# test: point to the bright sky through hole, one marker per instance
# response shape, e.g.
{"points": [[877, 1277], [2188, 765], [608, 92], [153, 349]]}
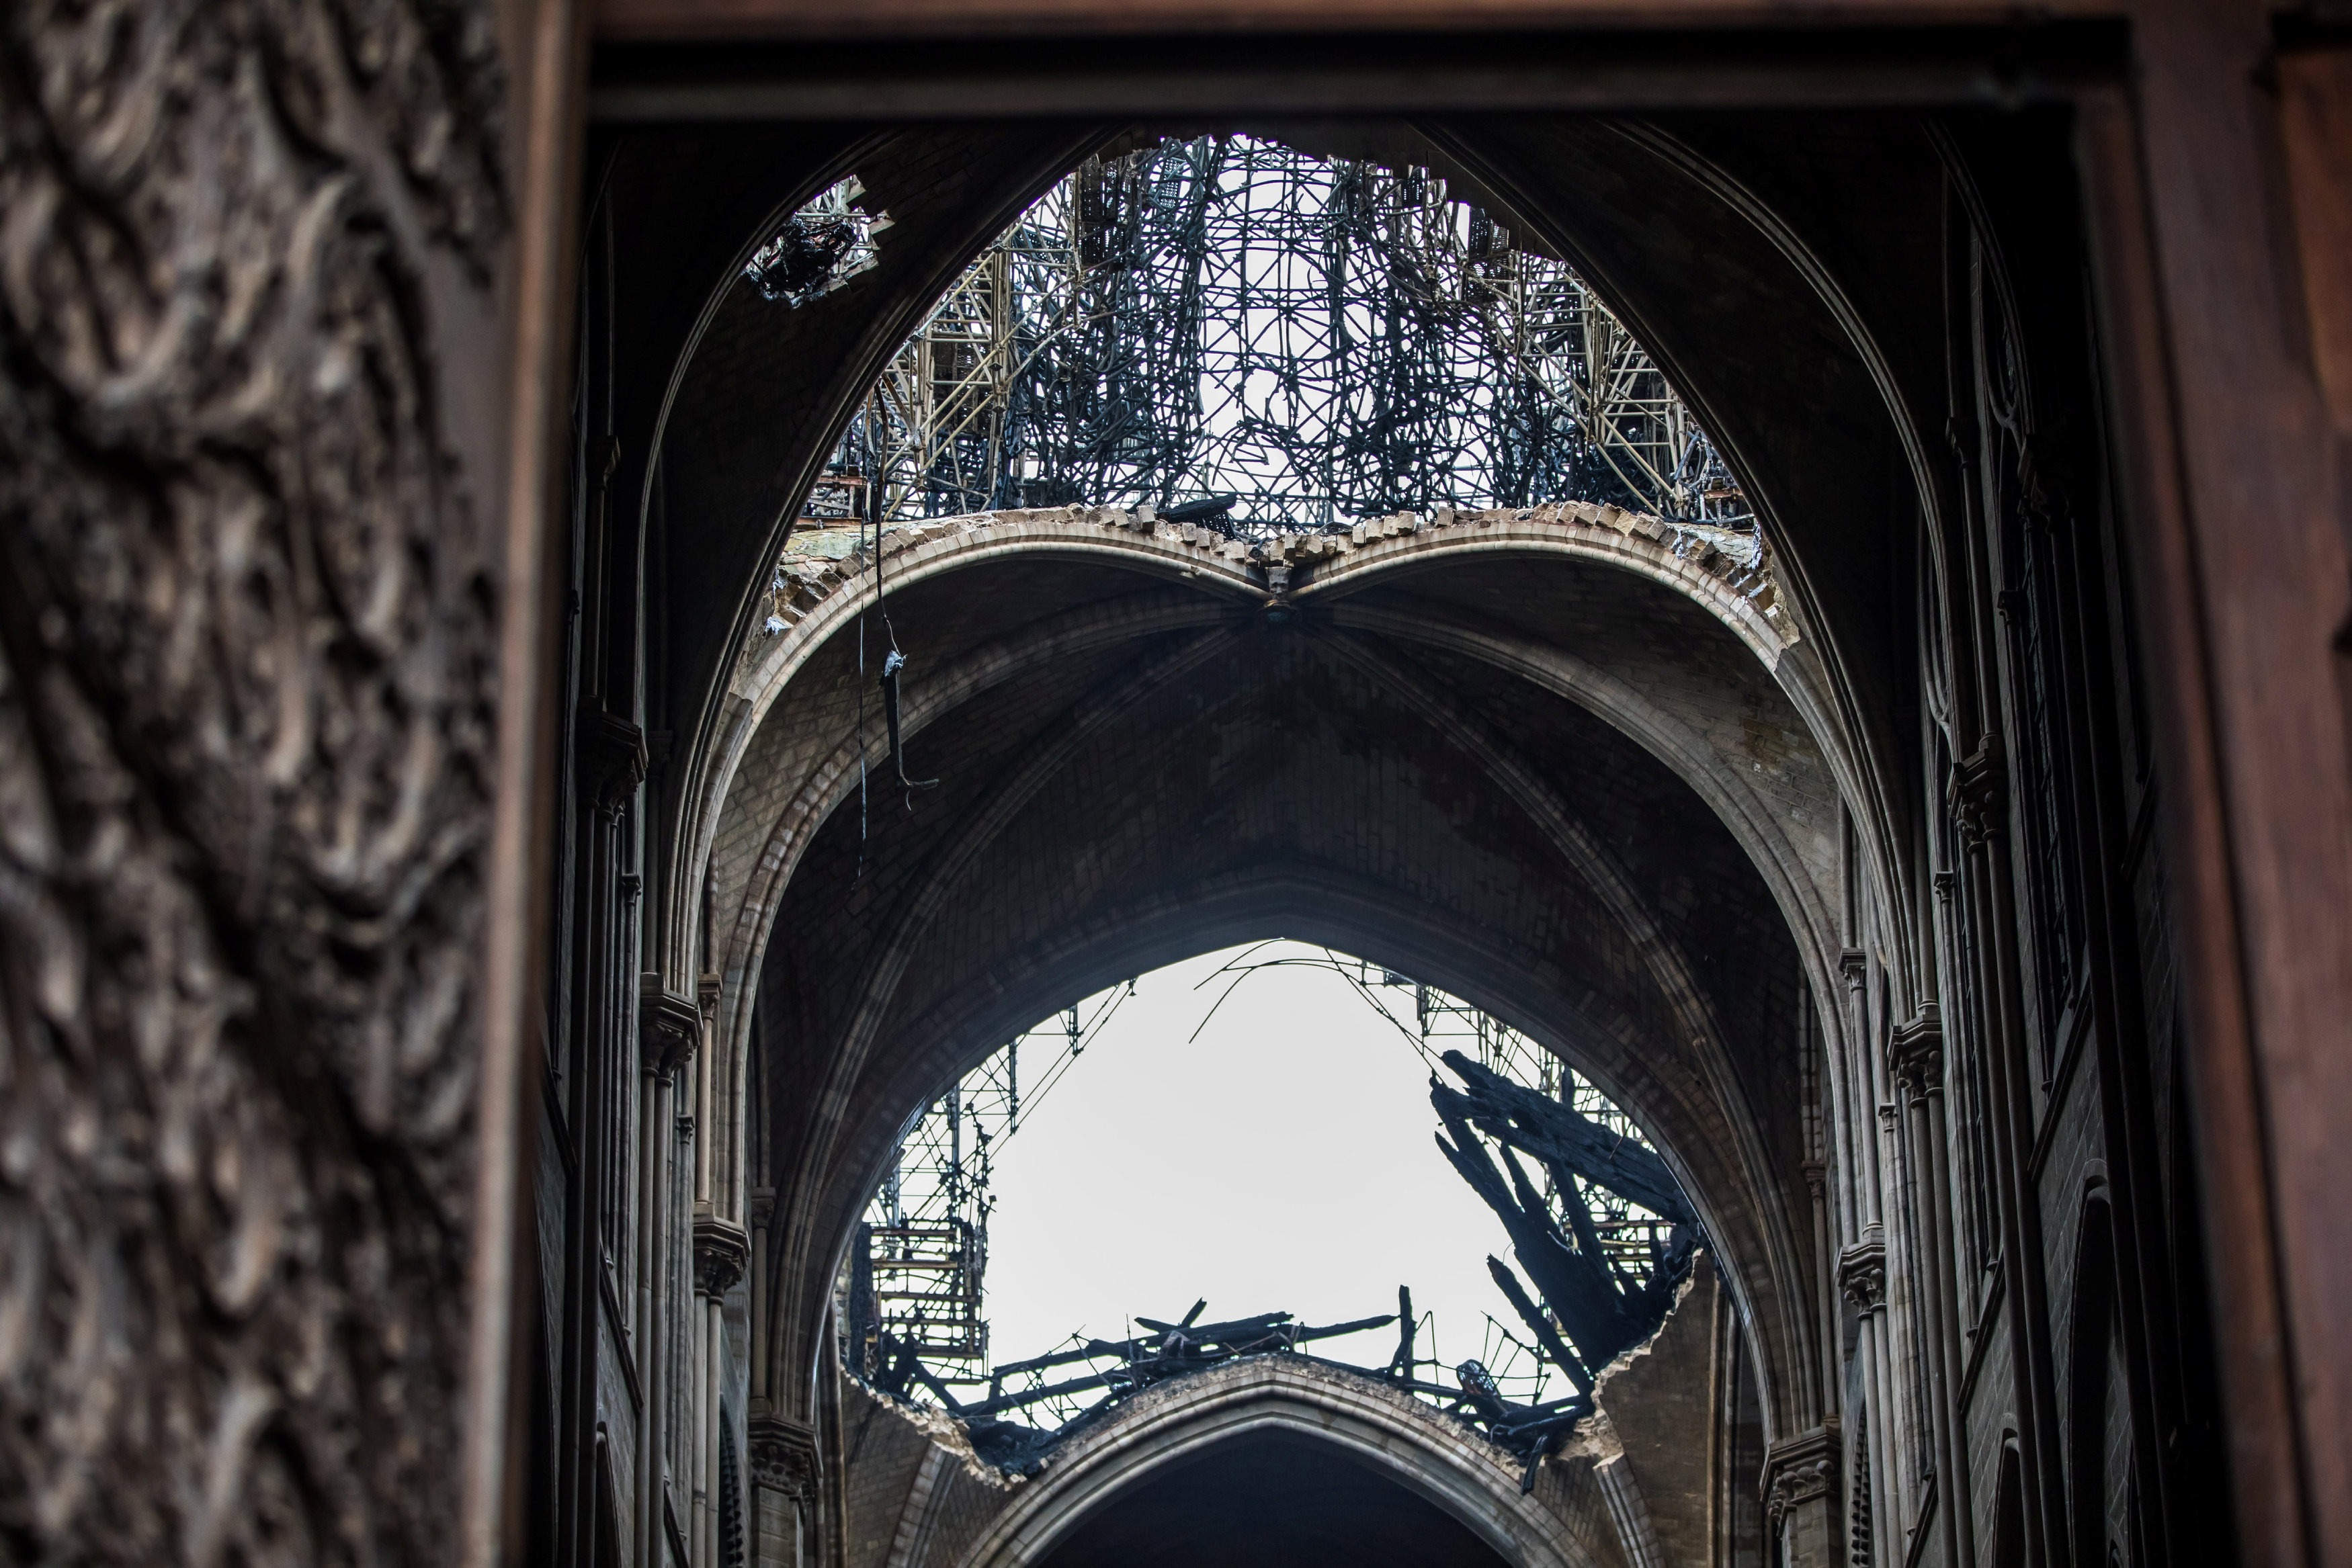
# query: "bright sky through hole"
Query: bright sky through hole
{"points": [[1284, 1161]]}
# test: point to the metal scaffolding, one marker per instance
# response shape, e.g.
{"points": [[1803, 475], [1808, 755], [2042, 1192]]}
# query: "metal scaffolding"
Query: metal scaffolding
{"points": [[1315, 341], [914, 1288]]}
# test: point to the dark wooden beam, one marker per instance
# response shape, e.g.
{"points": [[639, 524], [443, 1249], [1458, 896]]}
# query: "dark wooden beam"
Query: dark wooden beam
{"points": [[650, 19], [2237, 516], [644, 76]]}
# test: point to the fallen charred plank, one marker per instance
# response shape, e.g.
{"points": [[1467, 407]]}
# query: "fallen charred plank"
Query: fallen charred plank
{"points": [[1536, 1420], [1360, 1325], [1035, 1396], [1538, 1324], [1421, 1386], [1209, 1333], [1058, 1358], [1198, 1308], [1147, 1361], [1407, 1325]]}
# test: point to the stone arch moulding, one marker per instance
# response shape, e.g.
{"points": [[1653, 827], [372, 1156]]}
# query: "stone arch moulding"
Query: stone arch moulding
{"points": [[1818, 681], [747, 879], [746, 860], [1374, 1428], [756, 856], [1870, 762], [910, 276], [1751, 1221]]}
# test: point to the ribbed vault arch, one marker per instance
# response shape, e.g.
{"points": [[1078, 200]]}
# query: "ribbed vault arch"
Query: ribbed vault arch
{"points": [[1049, 671], [743, 843]]}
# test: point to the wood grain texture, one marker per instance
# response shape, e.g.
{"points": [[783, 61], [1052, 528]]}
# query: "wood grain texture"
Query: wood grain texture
{"points": [[2316, 124], [2227, 1087], [2248, 606], [247, 628]]}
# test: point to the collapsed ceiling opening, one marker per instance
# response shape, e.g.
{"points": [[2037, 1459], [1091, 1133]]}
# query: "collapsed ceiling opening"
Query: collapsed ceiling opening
{"points": [[1239, 334], [1605, 1235]]}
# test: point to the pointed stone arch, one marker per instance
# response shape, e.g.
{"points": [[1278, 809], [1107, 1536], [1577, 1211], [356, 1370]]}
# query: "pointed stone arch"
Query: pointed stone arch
{"points": [[1388, 1433]]}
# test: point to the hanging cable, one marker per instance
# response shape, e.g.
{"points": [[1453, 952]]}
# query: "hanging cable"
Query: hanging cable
{"points": [[860, 684], [892, 661]]}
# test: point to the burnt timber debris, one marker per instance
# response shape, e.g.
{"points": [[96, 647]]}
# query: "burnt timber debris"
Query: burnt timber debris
{"points": [[1592, 1306], [1169, 1349], [818, 248], [1528, 1431], [1553, 1131], [1178, 1349]]}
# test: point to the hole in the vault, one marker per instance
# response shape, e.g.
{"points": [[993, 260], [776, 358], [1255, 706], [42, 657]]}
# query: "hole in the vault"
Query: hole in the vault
{"points": [[1234, 1156], [1242, 336], [826, 243]]}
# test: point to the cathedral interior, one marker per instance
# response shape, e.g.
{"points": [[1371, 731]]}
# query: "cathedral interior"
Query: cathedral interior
{"points": [[618, 620]]}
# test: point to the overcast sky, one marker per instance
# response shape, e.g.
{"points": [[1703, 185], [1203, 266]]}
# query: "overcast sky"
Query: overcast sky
{"points": [[1284, 1161]]}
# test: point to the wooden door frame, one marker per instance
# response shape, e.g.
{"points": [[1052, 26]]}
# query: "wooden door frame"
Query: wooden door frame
{"points": [[2215, 191], [545, 43]]}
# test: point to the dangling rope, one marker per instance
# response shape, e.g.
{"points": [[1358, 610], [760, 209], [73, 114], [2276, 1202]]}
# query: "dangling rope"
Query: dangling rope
{"points": [[861, 749], [893, 661], [860, 684]]}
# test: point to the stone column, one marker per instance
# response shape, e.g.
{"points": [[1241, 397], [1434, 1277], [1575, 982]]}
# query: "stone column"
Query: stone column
{"points": [[786, 1470], [1799, 1499], [666, 1034], [1916, 1061], [1816, 1173], [762, 1213], [721, 1251], [1862, 1120], [1979, 801], [1861, 1276], [709, 1177]]}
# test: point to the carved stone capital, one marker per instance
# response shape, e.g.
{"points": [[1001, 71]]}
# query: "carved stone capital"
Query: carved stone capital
{"points": [[668, 1027], [708, 988], [1798, 1471], [721, 1251], [1915, 1054], [611, 756], [1862, 1273], [1979, 794], [784, 1457], [1855, 964]]}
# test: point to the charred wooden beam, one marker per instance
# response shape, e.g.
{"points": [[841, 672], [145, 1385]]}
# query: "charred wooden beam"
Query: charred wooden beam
{"points": [[1538, 1324], [1408, 1325], [1597, 1307], [1551, 1130]]}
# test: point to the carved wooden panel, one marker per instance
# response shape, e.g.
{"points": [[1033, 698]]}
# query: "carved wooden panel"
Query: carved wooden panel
{"points": [[247, 624]]}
